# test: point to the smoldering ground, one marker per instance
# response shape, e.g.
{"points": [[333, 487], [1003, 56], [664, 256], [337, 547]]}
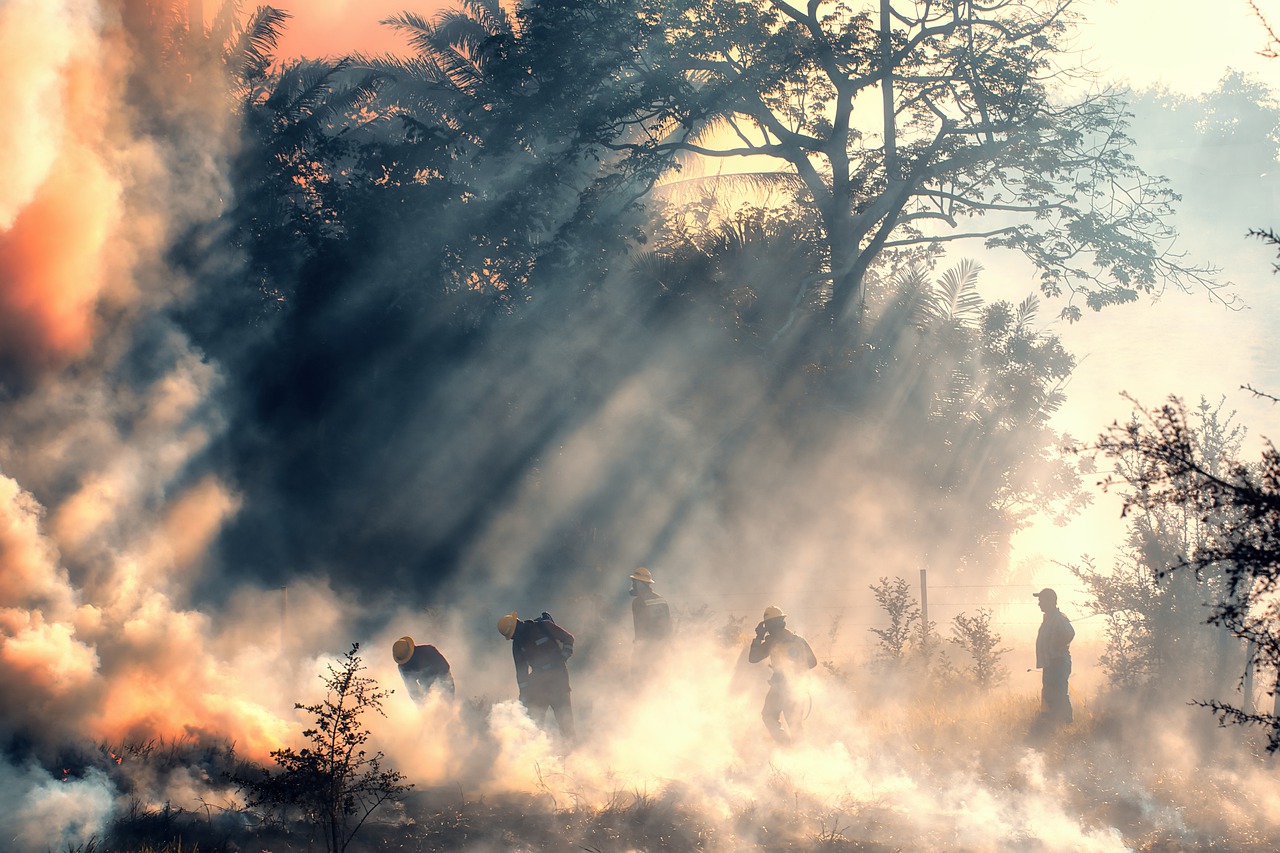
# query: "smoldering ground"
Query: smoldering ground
{"points": [[190, 535]]}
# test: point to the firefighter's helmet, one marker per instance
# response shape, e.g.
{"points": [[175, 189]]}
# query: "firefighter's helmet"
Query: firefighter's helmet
{"points": [[507, 625], [643, 575], [773, 612], [402, 650]]}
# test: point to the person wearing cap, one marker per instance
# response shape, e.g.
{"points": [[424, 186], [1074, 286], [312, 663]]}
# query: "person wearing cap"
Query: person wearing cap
{"points": [[541, 650], [791, 658], [1053, 659], [421, 667], [649, 610]]}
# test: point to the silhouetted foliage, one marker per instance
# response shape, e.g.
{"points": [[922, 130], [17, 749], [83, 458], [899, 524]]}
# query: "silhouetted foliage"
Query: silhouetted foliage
{"points": [[1271, 239], [1238, 506], [1156, 631], [1272, 40], [335, 782], [967, 129]]}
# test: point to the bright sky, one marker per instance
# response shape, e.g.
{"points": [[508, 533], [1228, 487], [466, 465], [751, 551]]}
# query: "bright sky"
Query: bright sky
{"points": [[334, 27], [1181, 43]]}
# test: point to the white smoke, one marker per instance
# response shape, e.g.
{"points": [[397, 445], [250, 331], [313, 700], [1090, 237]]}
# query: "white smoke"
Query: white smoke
{"points": [[42, 813]]}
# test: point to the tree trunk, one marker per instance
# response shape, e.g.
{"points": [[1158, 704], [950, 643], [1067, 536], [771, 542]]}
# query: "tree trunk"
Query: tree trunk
{"points": [[891, 169], [846, 273]]}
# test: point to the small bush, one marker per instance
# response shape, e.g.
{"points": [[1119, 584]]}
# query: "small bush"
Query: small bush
{"points": [[335, 783], [974, 635]]}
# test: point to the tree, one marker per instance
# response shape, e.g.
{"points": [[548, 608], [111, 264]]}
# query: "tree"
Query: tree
{"points": [[1273, 42], [981, 382], [481, 84], [968, 138], [895, 599], [1156, 631], [334, 782], [974, 635], [484, 217], [1239, 503]]}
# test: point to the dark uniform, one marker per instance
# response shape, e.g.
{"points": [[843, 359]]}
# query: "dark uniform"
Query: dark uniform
{"points": [[425, 667], [651, 615], [1053, 658], [791, 658], [541, 648]]}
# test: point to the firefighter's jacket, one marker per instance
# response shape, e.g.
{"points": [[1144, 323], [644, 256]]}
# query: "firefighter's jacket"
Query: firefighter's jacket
{"points": [[1053, 641], [789, 654], [651, 615], [540, 648], [425, 667]]}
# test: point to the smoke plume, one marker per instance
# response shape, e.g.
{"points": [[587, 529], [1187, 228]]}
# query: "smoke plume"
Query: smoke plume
{"points": [[190, 532]]}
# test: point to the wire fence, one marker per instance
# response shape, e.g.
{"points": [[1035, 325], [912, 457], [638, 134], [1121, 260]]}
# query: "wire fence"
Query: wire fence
{"points": [[840, 619], [843, 624]]}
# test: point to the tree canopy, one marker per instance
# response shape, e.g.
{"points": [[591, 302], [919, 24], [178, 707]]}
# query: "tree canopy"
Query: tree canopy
{"points": [[907, 125], [440, 267]]}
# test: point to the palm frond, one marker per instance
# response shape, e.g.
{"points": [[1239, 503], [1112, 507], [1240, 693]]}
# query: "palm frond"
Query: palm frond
{"points": [[421, 32], [736, 183], [304, 92], [914, 278], [461, 32], [1052, 402], [224, 22], [458, 41], [956, 294], [654, 268], [404, 70], [714, 126], [1026, 313], [490, 14], [252, 47], [461, 71]]}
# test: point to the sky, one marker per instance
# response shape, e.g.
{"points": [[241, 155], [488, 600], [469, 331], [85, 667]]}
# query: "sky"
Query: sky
{"points": [[119, 646], [1181, 43], [332, 27]]}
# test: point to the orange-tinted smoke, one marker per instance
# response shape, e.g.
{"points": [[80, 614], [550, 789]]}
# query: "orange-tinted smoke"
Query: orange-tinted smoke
{"points": [[54, 261], [58, 215]]}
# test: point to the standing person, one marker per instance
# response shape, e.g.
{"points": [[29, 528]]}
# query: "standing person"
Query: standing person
{"points": [[1053, 658], [541, 649], [421, 667], [791, 658], [649, 610]]}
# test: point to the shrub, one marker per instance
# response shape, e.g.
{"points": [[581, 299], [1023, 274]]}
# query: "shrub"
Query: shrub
{"points": [[334, 782]]}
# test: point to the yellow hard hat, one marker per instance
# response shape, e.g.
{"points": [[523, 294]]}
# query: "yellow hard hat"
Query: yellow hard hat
{"points": [[507, 625], [402, 650], [642, 574], [773, 612]]}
